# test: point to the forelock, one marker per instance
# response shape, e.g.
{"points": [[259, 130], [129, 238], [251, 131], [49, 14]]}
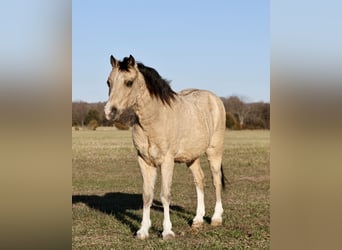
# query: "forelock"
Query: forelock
{"points": [[123, 65]]}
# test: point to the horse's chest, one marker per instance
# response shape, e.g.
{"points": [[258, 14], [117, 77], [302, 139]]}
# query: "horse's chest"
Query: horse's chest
{"points": [[151, 154], [147, 149]]}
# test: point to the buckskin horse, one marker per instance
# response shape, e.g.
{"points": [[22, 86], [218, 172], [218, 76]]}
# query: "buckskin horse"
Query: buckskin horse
{"points": [[169, 127]]}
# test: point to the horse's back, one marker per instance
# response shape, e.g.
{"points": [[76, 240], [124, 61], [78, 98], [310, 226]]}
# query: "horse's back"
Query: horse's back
{"points": [[205, 123], [209, 104]]}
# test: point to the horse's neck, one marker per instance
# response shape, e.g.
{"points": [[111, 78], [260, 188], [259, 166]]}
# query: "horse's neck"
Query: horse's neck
{"points": [[148, 110]]}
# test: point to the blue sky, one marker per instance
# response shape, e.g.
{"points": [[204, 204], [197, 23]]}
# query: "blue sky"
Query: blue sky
{"points": [[222, 46]]}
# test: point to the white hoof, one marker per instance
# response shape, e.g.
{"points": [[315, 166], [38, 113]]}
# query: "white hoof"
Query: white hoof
{"points": [[168, 235], [142, 235], [197, 223], [216, 222]]}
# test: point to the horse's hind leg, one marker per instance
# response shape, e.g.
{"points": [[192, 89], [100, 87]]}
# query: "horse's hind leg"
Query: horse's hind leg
{"points": [[197, 172], [215, 160], [149, 174]]}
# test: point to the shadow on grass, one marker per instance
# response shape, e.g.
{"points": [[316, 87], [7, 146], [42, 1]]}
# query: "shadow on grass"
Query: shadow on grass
{"points": [[120, 205]]}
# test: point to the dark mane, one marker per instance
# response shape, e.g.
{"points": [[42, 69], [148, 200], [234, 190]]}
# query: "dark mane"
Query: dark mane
{"points": [[156, 85], [123, 65]]}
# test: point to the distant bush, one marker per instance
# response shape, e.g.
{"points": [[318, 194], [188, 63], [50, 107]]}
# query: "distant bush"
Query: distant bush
{"points": [[93, 124], [75, 123], [255, 123], [259, 116], [93, 114], [231, 121]]}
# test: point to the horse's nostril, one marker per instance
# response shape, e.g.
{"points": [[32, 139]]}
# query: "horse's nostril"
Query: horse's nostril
{"points": [[114, 110], [110, 112]]}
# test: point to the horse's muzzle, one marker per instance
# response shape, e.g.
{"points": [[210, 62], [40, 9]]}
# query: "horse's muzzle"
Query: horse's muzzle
{"points": [[110, 112]]}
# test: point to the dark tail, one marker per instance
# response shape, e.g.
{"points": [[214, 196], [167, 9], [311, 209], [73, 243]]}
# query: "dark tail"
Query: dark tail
{"points": [[223, 178]]}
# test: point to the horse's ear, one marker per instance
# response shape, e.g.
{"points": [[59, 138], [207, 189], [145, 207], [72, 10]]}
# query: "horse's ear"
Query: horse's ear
{"points": [[113, 61], [131, 61]]}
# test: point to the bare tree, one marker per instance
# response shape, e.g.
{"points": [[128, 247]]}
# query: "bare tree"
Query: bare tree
{"points": [[79, 112], [238, 107]]}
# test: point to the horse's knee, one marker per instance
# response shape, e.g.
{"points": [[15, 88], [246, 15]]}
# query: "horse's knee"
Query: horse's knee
{"points": [[165, 198], [147, 199]]}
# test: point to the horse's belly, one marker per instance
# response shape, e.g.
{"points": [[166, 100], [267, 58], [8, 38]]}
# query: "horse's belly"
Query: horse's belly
{"points": [[188, 152], [184, 157]]}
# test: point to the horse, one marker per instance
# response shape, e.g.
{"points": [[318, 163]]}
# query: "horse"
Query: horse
{"points": [[169, 127]]}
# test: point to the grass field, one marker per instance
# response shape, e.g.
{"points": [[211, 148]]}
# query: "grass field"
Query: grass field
{"points": [[107, 202]]}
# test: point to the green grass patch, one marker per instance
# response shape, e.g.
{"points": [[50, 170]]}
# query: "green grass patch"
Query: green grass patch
{"points": [[107, 202]]}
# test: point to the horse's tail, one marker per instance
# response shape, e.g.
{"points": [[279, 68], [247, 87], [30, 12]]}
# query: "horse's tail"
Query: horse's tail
{"points": [[223, 178]]}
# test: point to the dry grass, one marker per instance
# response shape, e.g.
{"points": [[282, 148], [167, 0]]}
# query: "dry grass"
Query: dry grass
{"points": [[107, 203]]}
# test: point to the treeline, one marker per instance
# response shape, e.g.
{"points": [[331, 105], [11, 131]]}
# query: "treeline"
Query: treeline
{"points": [[239, 115], [243, 115]]}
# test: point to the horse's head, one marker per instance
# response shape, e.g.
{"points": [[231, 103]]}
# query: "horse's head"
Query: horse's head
{"points": [[123, 83]]}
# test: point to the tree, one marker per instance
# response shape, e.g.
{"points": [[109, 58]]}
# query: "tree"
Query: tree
{"points": [[231, 122], [239, 114], [238, 108], [79, 113], [93, 114], [259, 116]]}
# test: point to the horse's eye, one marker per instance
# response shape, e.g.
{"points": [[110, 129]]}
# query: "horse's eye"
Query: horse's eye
{"points": [[108, 83], [129, 83]]}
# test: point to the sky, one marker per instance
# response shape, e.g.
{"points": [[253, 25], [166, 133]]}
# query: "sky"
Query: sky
{"points": [[221, 46]]}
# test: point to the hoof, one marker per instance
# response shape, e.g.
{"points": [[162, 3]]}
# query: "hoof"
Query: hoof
{"points": [[197, 224], [216, 222], [169, 236], [141, 235]]}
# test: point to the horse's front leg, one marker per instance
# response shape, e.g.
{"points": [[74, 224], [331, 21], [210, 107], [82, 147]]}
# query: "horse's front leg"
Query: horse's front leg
{"points": [[166, 181], [149, 174]]}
